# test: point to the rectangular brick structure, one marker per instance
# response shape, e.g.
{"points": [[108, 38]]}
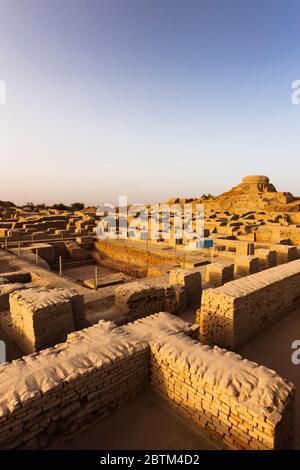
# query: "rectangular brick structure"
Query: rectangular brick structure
{"points": [[232, 314]]}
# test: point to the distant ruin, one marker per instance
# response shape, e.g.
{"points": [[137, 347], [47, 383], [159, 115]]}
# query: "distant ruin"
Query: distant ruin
{"points": [[90, 325]]}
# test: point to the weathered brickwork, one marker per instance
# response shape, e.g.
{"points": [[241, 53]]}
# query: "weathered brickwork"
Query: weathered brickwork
{"points": [[50, 397], [266, 258], [136, 300], [191, 280], [245, 265], [240, 404], [43, 317], [232, 314], [232, 399], [218, 274], [54, 395]]}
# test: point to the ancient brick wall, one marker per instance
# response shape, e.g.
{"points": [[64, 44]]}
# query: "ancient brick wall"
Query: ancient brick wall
{"points": [[44, 317], [136, 300], [52, 396], [237, 402], [136, 256], [191, 280], [221, 393], [232, 314]]}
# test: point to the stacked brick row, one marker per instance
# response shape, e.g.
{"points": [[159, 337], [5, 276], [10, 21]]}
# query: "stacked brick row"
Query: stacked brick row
{"points": [[232, 314], [239, 404], [245, 265], [52, 396], [218, 274], [43, 317], [191, 280], [137, 300], [266, 258]]}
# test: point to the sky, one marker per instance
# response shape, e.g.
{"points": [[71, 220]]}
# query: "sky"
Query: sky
{"points": [[146, 98]]}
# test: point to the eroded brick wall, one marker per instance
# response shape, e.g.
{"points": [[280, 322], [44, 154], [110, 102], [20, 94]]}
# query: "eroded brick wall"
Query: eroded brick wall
{"points": [[237, 402], [232, 399], [50, 397], [232, 314]]}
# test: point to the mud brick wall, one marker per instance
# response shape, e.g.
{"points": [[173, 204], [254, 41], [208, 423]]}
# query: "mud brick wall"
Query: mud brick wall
{"points": [[266, 258], [285, 253], [76, 252], [218, 274], [244, 405], [240, 404], [232, 314], [175, 299], [245, 265], [52, 396], [138, 300], [135, 256], [41, 317], [10, 282], [191, 280]]}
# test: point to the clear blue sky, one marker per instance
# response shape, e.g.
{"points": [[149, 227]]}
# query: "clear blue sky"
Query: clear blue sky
{"points": [[149, 98]]}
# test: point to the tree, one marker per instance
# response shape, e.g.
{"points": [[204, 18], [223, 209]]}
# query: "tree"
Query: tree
{"points": [[60, 207], [77, 206]]}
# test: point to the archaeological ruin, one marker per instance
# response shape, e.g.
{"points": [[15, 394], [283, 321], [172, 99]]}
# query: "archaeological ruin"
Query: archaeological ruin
{"points": [[95, 327]]}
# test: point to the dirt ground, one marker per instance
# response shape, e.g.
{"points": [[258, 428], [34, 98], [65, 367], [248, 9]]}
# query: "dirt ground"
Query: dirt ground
{"points": [[145, 423], [82, 273]]}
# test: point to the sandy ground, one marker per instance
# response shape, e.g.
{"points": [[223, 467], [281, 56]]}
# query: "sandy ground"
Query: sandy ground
{"points": [[81, 273], [272, 348], [145, 423]]}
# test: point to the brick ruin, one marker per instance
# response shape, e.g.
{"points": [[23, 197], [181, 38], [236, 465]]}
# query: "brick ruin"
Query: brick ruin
{"points": [[232, 314], [51, 396], [90, 347]]}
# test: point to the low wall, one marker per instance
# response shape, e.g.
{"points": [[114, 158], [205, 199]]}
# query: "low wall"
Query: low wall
{"points": [[149, 262], [137, 300], [52, 396], [191, 280], [240, 404], [44, 317], [232, 314]]}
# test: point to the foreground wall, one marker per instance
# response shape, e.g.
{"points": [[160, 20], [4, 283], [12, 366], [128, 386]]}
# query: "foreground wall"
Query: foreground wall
{"points": [[237, 402], [52, 396], [232, 314]]}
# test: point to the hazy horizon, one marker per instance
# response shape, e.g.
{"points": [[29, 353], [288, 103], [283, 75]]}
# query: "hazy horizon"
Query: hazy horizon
{"points": [[148, 98]]}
